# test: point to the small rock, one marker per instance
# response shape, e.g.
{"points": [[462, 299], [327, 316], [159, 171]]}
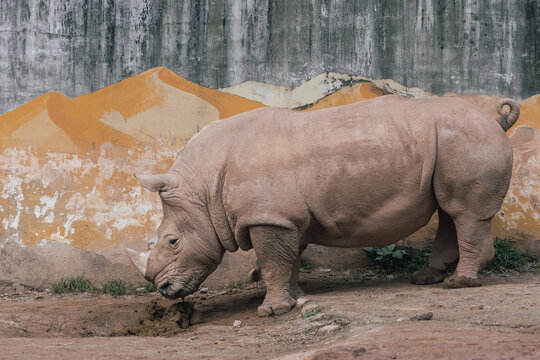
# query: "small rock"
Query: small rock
{"points": [[193, 338], [204, 290], [254, 274], [426, 316], [325, 270], [301, 301], [18, 288], [400, 319], [197, 318], [237, 324], [328, 329]]}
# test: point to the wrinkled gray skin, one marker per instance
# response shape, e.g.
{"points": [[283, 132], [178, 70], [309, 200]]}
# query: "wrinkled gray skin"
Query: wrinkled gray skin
{"points": [[365, 174]]}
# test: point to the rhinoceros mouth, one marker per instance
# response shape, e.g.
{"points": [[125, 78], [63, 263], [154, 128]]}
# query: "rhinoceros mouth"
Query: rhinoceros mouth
{"points": [[173, 290]]}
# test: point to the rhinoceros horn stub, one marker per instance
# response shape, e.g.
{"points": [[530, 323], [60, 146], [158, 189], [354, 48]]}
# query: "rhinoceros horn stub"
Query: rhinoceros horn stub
{"points": [[157, 182], [139, 259]]}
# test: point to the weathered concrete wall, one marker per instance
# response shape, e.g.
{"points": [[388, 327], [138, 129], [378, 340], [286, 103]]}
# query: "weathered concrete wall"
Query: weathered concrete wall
{"points": [[79, 46]]}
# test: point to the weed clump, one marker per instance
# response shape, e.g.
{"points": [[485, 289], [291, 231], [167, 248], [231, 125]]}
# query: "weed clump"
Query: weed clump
{"points": [[508, 258], [73, 285], [148, 288], [116, 288], [113, 287], [236, 285], [393, 259]]}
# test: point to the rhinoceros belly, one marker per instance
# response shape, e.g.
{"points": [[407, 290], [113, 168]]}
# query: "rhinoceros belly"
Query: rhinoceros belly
{"points": [[370, 189]]}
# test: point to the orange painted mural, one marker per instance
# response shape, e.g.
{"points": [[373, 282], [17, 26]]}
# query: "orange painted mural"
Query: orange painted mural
{"points": [[66, 164]]}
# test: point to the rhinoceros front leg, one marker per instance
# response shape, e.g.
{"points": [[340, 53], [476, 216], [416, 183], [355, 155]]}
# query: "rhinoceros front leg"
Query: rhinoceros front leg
{"points": [[444, 253], [294, 289], [277, 250]]}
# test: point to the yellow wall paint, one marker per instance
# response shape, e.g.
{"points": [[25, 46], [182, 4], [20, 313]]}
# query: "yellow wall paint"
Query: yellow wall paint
{"points": [[66, 165]]}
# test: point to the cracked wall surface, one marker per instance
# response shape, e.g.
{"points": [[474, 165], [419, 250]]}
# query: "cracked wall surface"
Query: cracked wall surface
{"points": [[79, 46]]}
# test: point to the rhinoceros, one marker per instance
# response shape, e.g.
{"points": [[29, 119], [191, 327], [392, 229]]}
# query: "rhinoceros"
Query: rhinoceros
{"points": [[364, 174]]}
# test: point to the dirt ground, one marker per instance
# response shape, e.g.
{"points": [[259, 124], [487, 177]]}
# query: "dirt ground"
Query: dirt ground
{"points": [[353, 316]]}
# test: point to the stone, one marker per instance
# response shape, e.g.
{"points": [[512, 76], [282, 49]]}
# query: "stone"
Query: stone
{"points": [[328, 329], [426, 316], [237, 324], [18, 289], [301, 301]]}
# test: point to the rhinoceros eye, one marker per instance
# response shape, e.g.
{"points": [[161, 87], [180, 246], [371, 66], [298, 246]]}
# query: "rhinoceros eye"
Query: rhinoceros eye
{"points": [[173, 242]]}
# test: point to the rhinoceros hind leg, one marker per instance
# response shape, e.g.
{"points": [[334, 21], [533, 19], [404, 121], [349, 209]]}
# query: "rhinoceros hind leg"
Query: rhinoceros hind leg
{"points": [[475, 251], [294, 289], [277, 250], [428, 275], [444, 253]]}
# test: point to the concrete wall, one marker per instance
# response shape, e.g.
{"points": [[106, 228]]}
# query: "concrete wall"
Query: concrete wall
{"points": [[80, 46]]}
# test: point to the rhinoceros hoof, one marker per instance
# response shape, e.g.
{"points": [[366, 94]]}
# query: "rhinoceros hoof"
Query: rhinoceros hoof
{"points": [[455, 282], [276, 308], [428, 275]]}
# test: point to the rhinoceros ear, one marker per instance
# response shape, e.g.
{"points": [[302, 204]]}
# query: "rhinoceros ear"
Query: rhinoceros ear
{"points": [[157, 182]]}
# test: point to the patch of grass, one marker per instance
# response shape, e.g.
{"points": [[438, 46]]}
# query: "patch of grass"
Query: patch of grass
{"points": [[148, 288], [72, 285], [236, 285], [306, 265], [117, 288], [393, 259], [310, 313], [508, 258], [113, 287]]}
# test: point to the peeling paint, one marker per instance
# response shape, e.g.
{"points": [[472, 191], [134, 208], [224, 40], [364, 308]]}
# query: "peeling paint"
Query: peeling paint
{"points": [[87, 197]]}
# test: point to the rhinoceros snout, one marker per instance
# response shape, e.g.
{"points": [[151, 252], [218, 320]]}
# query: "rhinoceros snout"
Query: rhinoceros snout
{"points": [[163, 288], [172, 290]]}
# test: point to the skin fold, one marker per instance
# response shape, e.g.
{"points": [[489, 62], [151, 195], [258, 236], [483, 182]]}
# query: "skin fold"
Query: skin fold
{"points": [[365, 174]]}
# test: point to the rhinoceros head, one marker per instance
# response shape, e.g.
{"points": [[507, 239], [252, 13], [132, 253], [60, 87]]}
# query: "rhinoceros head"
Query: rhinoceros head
{"points": [[184, 250]]}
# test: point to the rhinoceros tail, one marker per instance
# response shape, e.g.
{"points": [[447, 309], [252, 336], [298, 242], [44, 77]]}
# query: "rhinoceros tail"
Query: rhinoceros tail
{"points": [[507, 120]]}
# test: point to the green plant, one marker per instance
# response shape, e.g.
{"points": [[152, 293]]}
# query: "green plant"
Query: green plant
{"points": [[310, 313], [305, 265], [148, 288], [78, 284], [394, 259], [508, 258], [236, 285], [116, 288]]}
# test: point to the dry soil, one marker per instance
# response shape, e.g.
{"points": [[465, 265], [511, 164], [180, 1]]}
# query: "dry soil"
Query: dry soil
{"points": [[350, 316]]}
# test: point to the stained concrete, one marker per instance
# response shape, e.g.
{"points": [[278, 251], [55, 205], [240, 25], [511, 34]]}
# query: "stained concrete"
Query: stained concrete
{"points": [[79, 46]]}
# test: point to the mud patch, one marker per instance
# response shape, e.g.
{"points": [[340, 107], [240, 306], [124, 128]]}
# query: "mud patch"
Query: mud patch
{"points": [[159, 320]]}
